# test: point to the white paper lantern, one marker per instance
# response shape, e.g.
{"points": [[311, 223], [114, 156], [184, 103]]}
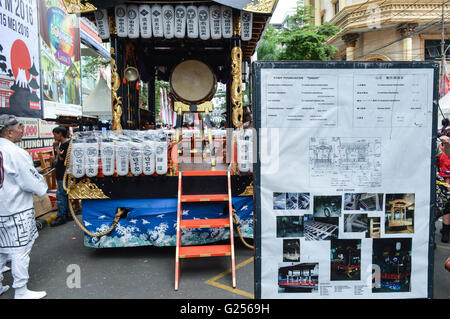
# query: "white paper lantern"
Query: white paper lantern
{"points": [[91, 158], [246, 25], [107, 157], [136, 158], [161, 157], [227, 21], [133, 21], [157, 21], [148, 164], [192, 22], [180, 21], [145, 21], [101, 20], [203, 23], [77, 159], [121, 20], [215, 22], [122, 158], [168, 14], [244, 152]]}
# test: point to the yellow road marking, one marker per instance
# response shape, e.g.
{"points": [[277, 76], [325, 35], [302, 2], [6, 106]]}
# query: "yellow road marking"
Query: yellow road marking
{"points": [[213, 282], [439, 246]]}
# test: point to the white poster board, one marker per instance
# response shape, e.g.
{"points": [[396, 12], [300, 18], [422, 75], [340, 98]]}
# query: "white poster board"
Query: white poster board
{"points": [[344, 179]]}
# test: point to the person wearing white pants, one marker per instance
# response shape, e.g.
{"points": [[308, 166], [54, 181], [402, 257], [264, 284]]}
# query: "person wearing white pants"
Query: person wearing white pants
{"points": [[19, 180]]}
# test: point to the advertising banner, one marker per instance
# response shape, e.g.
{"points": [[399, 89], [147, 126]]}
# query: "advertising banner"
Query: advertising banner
{"points": [[19, 59], [60, 59], [344, 181]]}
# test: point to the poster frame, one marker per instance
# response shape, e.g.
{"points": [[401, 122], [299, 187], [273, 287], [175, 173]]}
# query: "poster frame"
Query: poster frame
{"points": [[256, 93]]}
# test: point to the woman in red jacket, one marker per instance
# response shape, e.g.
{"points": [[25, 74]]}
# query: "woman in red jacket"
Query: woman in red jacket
{"points": [[443, 164]]}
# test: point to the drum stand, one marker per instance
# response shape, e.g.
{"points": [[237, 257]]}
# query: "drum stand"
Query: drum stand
{"points": [[206, 108]]}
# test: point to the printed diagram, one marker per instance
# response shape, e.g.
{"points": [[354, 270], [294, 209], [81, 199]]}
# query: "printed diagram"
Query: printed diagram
{"points": [[345, 162]]}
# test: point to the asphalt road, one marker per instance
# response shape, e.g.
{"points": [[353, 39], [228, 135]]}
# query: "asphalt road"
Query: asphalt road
{"points": [[66, 269]]}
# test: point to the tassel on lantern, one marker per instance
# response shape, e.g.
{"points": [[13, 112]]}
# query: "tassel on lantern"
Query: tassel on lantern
{"points": [[137, 86]]}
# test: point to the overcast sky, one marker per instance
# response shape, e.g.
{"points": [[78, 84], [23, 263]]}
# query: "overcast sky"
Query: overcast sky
{"points": [[281, 8]]}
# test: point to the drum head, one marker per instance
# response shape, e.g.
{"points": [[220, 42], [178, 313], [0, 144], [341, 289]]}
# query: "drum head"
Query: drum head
{"points": [[192, 81]]}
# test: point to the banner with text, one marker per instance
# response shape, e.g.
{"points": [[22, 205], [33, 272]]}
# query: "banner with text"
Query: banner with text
{"points": [[344, 181], [60, 58], [19, 59]]}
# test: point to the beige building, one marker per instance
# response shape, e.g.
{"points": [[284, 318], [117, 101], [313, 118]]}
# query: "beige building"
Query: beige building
{"points": [[385, 30]]}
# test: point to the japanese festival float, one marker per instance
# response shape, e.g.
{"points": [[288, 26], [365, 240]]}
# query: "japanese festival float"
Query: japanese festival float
{"points": [[169, 187]]}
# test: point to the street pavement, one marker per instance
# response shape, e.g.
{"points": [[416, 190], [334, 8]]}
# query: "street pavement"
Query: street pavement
{"points": [[66, 269]]}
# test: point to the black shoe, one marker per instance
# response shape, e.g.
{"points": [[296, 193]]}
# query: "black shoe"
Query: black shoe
{"points": [[445, 237], [445, 233], [58, 221]]}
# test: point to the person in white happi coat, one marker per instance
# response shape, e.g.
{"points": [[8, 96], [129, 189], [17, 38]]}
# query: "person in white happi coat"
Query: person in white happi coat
{"points": [[19, 180]]}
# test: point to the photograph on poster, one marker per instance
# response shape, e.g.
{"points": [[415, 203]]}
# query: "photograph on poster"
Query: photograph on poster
{"points": [[291, 201], [290, 226], [321, 228], [327, 206], [298, 277], [374, 227], [345, 259], [279, 201], [303, 200], [399, 214], [355, 223], [393, 256], [291, 250], [363, 201]]}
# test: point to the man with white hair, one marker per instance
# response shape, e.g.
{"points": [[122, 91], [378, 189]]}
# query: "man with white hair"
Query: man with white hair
{"points": [[18, 181]]}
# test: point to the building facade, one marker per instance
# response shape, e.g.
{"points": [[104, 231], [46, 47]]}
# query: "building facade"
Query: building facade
{"points": [[386, 30]]}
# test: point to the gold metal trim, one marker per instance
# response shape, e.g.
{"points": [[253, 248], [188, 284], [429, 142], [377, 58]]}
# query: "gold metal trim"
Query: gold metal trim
{"points": [[116, 101], [249, 191], [260, 6], [78, 6], [84, 189], [236, 86]]}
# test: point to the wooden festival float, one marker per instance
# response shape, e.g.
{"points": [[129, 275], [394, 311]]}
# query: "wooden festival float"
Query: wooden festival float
{"points": [[170, 187]]}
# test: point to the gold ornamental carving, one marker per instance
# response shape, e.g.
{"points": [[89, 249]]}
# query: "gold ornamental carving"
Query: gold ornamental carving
{"points": [[84, 189], [78, 6], [116, 101], [248, 191], [260, 6], [236, 86]]}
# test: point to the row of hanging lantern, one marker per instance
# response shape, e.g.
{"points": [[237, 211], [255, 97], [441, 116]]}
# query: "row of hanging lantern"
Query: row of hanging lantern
{"points": [[169, 21], [138, 152]]}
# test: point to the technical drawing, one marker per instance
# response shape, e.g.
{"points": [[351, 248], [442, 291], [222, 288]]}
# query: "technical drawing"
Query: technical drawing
{"points": [[345, 161]]}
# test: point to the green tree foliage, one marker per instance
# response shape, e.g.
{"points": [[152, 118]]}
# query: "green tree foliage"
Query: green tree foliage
{"points": [[299, 39], [91, 65], [267, 48]]}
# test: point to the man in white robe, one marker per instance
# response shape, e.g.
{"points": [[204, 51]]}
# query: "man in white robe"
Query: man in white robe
{"points": [[19, 180]]}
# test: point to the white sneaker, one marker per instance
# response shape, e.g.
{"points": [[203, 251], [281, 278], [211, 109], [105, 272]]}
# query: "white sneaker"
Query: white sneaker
{"points": [[3, 289], [22, 293]]}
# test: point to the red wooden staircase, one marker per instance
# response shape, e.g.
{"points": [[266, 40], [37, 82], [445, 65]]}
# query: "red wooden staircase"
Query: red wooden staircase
{"points": [[204, 250]]}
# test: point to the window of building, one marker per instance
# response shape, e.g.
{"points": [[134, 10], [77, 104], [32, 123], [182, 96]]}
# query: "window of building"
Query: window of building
{"points": [[336, 7], [433, 49]]}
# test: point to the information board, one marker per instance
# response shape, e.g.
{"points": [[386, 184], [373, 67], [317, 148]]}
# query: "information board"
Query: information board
{"points": [[344, 179]]}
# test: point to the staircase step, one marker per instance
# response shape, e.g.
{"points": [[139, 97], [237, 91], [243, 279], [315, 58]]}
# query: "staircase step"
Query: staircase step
{"points": [[204, 251], [205, 198], [205, 223], [204, 173]]}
